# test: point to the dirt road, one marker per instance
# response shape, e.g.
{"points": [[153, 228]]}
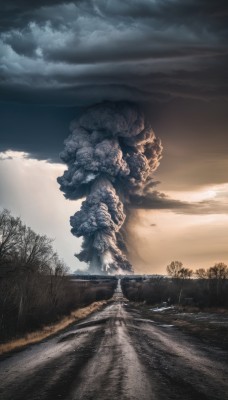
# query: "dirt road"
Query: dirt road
{"points": [[116, 354]]}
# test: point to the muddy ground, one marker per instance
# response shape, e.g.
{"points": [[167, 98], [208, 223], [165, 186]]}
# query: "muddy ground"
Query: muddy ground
{"points": [[210, 326], [121, 352]]}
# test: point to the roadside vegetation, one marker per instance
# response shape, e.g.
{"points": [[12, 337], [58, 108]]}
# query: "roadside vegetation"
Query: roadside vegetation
{"points": [[202, 288], [34, 287]]}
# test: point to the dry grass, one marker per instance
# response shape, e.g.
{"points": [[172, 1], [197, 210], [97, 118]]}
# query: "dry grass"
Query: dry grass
{"points": [[49, 330]]}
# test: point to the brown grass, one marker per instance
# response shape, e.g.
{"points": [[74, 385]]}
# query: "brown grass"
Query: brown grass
{"points": [[49, 330]]}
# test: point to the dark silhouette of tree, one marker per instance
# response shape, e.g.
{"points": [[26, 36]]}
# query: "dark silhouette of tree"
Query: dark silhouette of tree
{"points": [[35, 251], [218, 271], [185, 273], [173, 269], [10, 228], [176, 270], [201, 273]]}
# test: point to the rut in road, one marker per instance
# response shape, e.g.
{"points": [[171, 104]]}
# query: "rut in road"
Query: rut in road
{"points": [[116, 354]]}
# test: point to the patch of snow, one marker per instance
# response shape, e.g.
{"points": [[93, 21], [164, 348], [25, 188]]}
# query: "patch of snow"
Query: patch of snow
{"points": [[166, 326], [159, 309]]}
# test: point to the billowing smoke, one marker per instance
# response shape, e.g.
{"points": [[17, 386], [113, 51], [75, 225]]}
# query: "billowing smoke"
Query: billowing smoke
{"points": [[111, 155]]}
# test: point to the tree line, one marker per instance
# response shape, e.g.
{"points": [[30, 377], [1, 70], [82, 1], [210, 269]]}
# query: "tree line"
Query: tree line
{"points": [[201, 288], [176, 270]]}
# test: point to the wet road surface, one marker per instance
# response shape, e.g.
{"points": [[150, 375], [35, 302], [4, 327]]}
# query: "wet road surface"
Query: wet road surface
{"points": [[116, 354]]}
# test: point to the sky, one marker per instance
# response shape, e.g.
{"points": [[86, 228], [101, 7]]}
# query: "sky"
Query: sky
{"points": [[168, 56]]}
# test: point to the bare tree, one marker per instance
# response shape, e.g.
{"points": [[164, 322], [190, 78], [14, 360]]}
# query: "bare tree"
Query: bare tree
{"points": [[174, 268], [9, 235], [35, 251], [185, 273], [218, 271], [201, 273]]}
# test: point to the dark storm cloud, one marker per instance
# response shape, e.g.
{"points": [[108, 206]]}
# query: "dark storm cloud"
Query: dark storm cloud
{"points": [[155, 200], [161, 54], [82, 52], [16, 13], [38, 131], [13, 11]]}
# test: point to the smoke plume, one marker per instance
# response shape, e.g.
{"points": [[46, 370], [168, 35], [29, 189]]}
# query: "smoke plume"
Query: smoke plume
{"points": [[111, 155]]}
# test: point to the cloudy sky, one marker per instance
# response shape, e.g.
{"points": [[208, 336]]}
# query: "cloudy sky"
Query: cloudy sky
{"points": [[169, 56]]}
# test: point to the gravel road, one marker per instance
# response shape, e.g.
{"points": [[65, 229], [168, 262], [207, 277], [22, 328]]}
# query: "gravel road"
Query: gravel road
{"points": [[116, 354]]}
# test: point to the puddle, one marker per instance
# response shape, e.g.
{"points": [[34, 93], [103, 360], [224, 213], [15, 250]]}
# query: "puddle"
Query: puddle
{"points": [[166, 326]]}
